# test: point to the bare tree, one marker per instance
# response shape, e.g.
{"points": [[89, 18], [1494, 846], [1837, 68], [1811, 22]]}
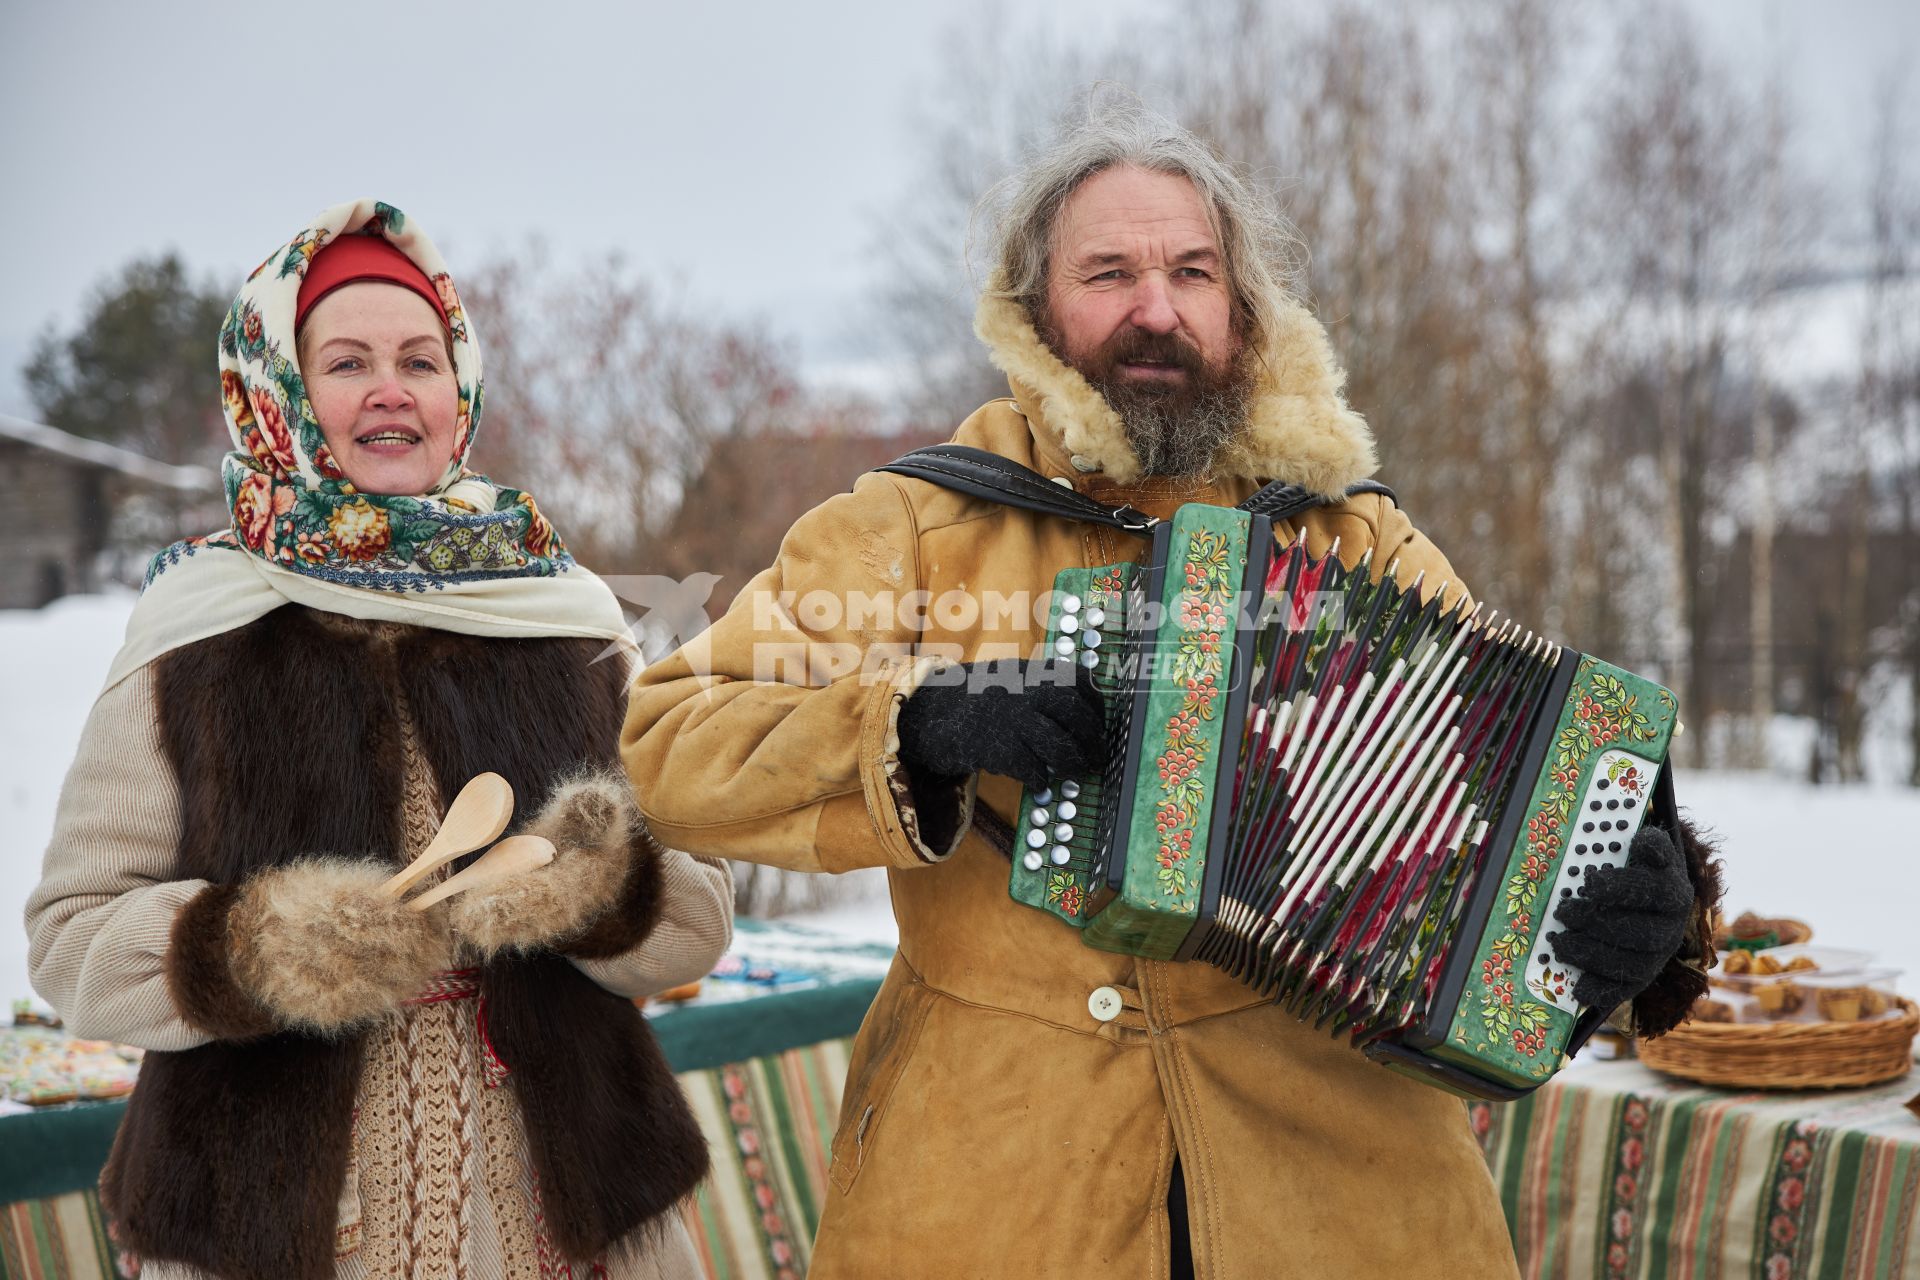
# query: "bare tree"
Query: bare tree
{"points": [[998, 93], [607, 399], [1781, 217], [1680, 154], [1889, 391]]}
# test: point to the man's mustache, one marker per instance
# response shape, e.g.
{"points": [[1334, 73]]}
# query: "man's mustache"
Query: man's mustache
{"points": [[1139, 346]]}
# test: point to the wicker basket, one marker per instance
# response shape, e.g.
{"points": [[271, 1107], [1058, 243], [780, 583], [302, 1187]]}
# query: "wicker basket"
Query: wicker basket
{"points": [[1787, 1055]]}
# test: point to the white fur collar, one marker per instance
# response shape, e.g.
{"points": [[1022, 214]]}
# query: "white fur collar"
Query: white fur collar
{"points": [[1299, 429]]}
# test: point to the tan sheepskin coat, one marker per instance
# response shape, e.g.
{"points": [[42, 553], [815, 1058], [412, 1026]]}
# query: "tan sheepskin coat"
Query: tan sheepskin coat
{"points": [[992, 1125]]}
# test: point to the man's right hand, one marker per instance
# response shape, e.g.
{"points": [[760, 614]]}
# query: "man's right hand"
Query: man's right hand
{"points": [[1034, 721]]}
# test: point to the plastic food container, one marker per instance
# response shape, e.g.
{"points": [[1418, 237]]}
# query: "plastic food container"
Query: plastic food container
{"points": [[1798, 961], [1859, 996]]}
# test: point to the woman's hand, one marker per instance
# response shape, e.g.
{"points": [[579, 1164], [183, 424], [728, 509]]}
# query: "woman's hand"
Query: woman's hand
{"points": [[597, 836]]}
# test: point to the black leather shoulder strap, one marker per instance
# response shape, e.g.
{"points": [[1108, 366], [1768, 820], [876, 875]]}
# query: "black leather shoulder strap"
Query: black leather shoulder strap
{"points": [[1279, 501], [981, 474], [988, 475]]}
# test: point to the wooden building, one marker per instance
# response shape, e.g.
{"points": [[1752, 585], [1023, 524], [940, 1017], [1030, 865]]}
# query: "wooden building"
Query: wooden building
{"points": [[77, 514]]}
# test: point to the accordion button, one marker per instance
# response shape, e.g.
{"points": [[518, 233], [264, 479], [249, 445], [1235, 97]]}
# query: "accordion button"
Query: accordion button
{"points": [[1089, 659], [1039, 818], [1091, 639], [1045, 795], [1104, 1004], [1033, 861], [1036, 838], [1063, 832], [1061, 855], [1069, 624], [1064, 646], [1095, 617], [1070, 605], [1067, 811], [1071, 790]]}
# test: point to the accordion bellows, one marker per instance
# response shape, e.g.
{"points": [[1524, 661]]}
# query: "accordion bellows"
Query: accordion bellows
{"points": [[1362, 803]]}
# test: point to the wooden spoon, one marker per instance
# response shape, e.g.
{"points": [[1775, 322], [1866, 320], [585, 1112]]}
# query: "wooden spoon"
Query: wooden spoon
{"points": [[478, 815], [516, 855]]}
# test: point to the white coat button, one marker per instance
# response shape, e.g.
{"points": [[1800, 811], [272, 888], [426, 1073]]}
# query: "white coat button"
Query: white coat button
{"points": [[1063, 482], [1104, 1004], [1083, 464]]}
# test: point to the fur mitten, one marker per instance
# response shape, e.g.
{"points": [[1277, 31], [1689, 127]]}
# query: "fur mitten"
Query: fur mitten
{"points": [[313, 946], [600, 848]]}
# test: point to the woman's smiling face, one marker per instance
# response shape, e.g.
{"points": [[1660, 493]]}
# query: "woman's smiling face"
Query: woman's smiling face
{"points": [[378, 369]]}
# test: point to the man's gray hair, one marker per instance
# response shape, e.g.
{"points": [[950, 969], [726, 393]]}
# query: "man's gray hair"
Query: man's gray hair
{"points": [[1261, 251]]}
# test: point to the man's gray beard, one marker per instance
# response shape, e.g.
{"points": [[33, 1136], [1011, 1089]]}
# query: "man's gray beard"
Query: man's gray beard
{"points": [[1182, 435]]}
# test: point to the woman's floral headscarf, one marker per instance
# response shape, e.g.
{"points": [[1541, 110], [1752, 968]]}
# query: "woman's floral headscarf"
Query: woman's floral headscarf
{"points": [[291, 503]]}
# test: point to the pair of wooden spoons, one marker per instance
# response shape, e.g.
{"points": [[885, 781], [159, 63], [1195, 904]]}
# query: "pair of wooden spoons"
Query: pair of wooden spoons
{"points": [[477, 817]]}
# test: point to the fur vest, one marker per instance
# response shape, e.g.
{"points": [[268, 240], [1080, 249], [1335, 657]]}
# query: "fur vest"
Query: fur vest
{"points": [[284, 740]]}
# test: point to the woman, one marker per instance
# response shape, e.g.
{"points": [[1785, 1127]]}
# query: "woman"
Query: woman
{"points": [[338, 1085]]}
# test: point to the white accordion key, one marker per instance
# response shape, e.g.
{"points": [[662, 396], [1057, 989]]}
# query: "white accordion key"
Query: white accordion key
{"points": [[1599, 833]]}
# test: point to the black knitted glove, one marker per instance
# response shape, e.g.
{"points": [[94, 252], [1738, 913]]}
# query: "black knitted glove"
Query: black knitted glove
{"points": [[1626, 922], [1026, 720]]}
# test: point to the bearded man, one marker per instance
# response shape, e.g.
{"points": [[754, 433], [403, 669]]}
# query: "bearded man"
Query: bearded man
{"points": [[1019, 1104]]}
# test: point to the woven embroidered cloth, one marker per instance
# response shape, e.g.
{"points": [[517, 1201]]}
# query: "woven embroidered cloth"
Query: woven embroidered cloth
{"points": [[1610, 1171], [769, 1123], [1617, 1173]]}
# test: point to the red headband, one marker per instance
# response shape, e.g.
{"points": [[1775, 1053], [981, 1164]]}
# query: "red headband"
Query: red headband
{"points": [[353, 258]]}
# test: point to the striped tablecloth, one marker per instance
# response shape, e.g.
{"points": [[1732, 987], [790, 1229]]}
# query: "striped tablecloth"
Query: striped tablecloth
{"points": [[1618, 1173], [769, 1123], [1609, 1172], [762, 1055]]}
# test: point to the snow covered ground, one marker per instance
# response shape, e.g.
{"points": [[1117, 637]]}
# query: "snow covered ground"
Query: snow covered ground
{"points": [[1846, 859]]}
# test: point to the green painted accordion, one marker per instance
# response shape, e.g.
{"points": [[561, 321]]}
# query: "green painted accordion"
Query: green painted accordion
{"points": [[1360, 803]]}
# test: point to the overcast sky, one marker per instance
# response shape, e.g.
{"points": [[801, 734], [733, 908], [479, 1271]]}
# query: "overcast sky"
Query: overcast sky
{"points": [[743, 149]]}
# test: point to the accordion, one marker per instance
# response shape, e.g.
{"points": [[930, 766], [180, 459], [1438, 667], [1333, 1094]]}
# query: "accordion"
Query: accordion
{"points": [[1364, 805]]}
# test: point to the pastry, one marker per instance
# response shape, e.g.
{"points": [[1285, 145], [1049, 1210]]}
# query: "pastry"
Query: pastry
{"points": [[1706, 1009]]}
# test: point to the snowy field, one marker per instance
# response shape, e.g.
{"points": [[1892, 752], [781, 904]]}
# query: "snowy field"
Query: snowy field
{"points": [[1846, 859]]}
